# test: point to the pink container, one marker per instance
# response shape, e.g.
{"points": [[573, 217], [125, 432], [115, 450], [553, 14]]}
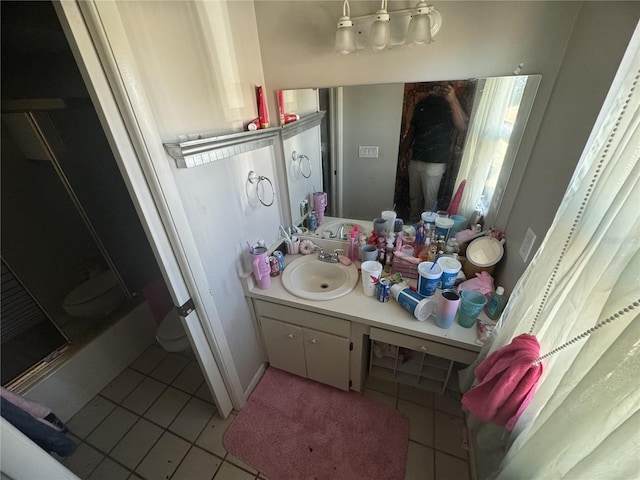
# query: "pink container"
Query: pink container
{"points": [[447, 308], [261, 268], [319, 204]]}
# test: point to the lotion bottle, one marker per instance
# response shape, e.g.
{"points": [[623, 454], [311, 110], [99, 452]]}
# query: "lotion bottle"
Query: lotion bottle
{"points": [[496, 304]]}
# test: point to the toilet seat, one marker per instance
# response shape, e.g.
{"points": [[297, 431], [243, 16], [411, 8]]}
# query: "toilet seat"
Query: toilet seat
{"points": [[99, 295], [171, 335]]}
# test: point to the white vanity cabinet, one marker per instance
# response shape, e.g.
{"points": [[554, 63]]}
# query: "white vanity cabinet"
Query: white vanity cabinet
{"points": [[306, 343]]}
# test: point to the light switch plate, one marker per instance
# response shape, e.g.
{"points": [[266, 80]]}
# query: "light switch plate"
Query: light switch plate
{"points": [[368, 152], [527, 244]]}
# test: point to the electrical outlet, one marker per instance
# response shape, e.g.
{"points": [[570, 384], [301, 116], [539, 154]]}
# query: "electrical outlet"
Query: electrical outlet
{"points": [[527, 244], [368, 152]]}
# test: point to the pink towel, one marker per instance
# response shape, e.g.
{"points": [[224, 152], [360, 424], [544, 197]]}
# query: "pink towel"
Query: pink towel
{"points": [[507, 382]]}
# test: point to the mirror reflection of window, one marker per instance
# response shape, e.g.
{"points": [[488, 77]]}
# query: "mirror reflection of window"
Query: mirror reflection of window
{"points": [[488, 139]]}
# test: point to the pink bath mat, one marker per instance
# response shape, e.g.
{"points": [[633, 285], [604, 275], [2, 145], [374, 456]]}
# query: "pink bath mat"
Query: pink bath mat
{"points": [[294, 428]]}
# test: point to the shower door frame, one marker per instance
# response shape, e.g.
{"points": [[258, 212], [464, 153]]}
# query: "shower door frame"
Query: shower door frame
{"points": [[135, 145]]}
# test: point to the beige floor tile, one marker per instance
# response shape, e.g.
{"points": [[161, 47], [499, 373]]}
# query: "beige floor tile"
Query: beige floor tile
{"points": [[164, 457], [169, 368], [149, 359], [449, 434], [416, 395], [380, 397], [420, 462], [450, 468], [136, 443], [228, 471], [112, 429], [144, 395], [197, 465], [122, 386], [165, 409], [190, 378], [203, 393], [84, 460], [211, 437], [109, 470], [384, 386], [421, 422], [83, 422], [192, 419], [240, 463], [447, 404]]}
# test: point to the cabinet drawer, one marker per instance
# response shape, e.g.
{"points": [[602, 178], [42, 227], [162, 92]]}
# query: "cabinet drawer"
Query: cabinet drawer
{"points": [[422, 345], [303, 318]]}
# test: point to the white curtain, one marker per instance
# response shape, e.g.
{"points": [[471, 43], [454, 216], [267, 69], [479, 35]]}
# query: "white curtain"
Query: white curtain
{"points": [[483, 137], [584, 420]]}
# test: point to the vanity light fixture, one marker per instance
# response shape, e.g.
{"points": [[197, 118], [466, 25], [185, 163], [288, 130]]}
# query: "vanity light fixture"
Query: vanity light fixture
{"points": [[345, 41], [380, 33], [386, 29]]}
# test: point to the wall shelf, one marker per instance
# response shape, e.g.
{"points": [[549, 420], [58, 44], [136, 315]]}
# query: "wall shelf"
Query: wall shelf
{"points": [[207, 149]]}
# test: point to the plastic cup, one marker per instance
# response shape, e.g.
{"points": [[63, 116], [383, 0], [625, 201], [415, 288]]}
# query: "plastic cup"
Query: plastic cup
{"points": [[447, 308], [368, 253], [371, 272], [459, 221], [429, 217], [450, 268], [471, 304], [428, 278], [414, 303], [443, 226], [390, 217], [379, 224]]}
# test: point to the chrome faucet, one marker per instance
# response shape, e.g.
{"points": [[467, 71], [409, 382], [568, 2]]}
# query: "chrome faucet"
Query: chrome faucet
{"points": [[328, 257]]}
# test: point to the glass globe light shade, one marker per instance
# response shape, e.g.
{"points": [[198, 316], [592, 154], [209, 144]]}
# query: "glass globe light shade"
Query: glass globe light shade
{"points": [[419, 31], [380, 33], [345, 41]]}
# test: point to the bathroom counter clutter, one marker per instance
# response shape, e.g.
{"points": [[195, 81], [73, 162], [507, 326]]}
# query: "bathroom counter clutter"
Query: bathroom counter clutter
{"points": [[294, 329], [357, 307]]}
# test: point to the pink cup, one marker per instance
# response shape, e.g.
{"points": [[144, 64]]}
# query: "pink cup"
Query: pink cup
{"points": [[447, 308], [319, 205], [261, 269]]}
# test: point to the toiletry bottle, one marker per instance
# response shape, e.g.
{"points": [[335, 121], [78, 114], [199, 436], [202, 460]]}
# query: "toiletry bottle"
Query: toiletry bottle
{"points": [[353, 247], [496, 304], [389, 256], [399, 241]]}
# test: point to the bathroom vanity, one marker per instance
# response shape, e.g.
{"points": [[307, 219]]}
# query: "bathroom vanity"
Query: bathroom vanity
{"points": [[340, 341]]}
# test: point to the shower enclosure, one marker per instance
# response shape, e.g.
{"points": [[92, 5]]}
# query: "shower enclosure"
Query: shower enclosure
{"points": [[70, 232]]}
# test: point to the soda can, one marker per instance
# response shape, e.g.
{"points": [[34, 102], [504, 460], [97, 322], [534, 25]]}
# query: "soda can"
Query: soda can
{"points": [[280, 256], [275, 266], [384, 287]]}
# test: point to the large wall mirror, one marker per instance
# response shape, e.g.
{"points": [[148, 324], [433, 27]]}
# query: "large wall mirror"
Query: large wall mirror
{"points": [[367, 144]]}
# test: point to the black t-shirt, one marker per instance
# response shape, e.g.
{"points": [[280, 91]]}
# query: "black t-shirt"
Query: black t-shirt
{"points": [[433, 128]]}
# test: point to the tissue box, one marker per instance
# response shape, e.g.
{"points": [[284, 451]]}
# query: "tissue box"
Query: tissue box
{"points": [[405, 268]]}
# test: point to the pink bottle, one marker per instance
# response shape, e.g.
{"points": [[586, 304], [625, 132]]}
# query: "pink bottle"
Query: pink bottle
{"points": [[319, 205]]}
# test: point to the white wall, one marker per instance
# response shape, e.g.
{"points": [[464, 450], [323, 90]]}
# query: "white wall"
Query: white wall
{"points": [[199, 64], [477, 39]]}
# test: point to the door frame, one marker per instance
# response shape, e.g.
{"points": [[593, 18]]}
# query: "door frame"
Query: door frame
{"points": [[99, 43]]}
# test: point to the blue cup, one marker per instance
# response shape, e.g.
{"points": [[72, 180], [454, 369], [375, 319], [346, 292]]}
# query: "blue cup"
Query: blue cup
{"points": [[471, 304], [450, 268], [428, 278]]}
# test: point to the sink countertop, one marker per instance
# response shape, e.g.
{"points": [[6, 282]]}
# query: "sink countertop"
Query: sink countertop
{"points": [[357, 307]]}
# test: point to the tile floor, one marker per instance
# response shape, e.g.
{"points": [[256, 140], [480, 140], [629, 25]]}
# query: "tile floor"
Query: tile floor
{"points": [[157, 421]]}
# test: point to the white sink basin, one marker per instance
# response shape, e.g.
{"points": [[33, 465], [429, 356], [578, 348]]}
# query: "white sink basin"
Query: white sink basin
{"points": [[330, 229], [309, 278]]}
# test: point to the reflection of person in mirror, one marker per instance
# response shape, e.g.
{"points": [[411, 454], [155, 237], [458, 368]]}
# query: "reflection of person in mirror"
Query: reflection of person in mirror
{"points": [[435, 119]]}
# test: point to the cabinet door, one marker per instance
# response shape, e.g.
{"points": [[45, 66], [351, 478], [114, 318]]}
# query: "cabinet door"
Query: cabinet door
{"points": [[327, 358], [284, 346]]}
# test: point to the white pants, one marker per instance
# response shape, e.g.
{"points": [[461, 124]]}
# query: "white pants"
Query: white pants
{"points": [[424, 183]]}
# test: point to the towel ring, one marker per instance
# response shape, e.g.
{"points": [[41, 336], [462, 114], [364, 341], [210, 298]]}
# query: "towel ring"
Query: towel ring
{"points": [[298, 157], [255, 178]]}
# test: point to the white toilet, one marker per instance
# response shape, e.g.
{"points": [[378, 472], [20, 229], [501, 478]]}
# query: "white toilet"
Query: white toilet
{"points": [[171, 335], [99, 295]]}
